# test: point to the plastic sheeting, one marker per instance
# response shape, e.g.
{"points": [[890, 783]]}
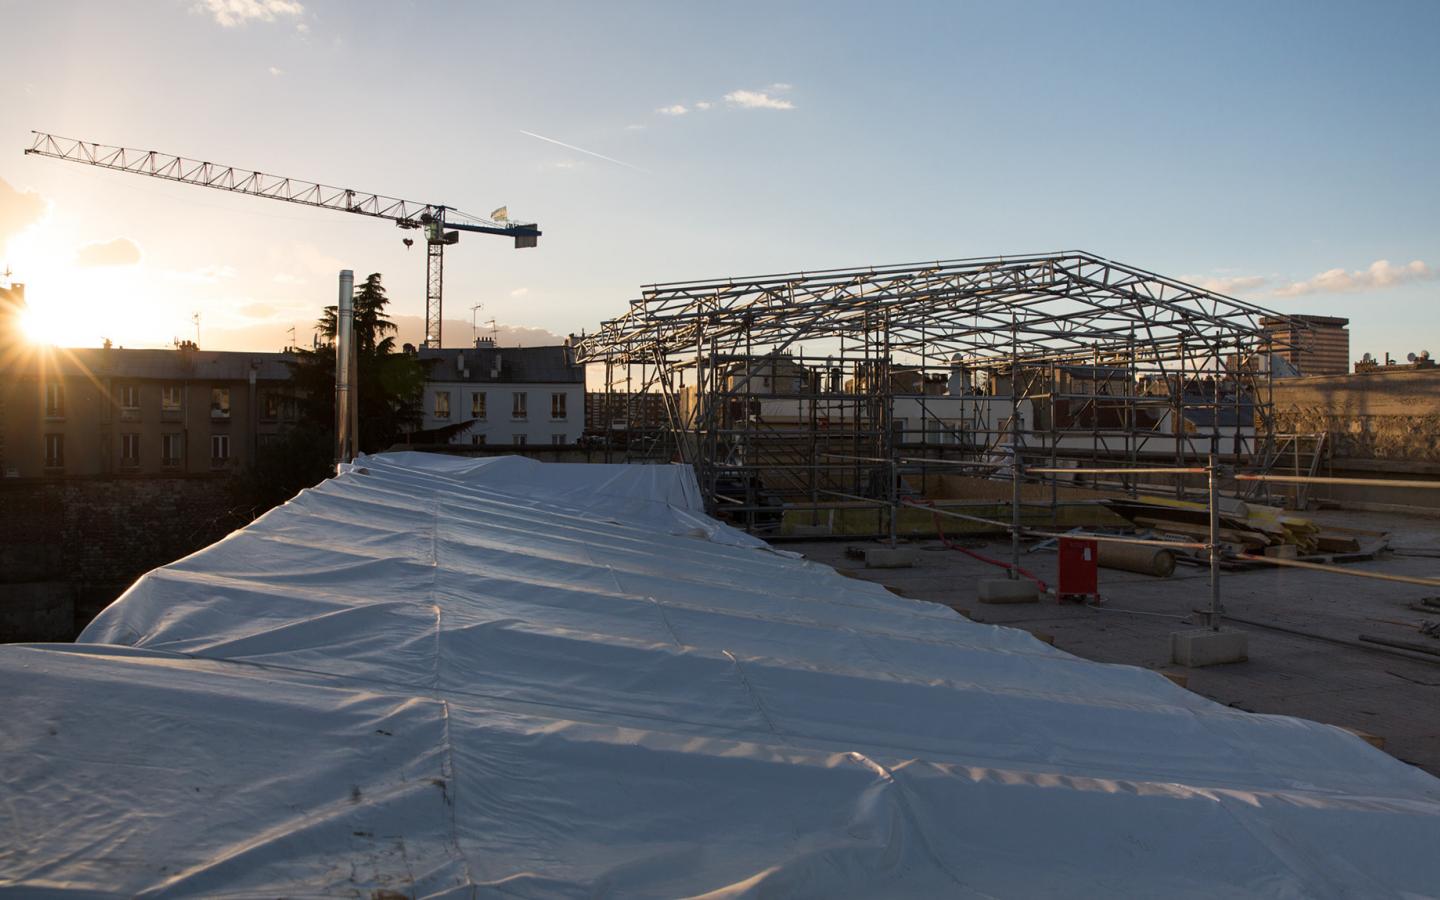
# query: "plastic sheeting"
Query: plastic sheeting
{"points": [[443, 677]]}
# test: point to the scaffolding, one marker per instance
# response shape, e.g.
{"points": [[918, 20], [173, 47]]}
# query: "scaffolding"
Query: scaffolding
{"points": [[796, 394]]}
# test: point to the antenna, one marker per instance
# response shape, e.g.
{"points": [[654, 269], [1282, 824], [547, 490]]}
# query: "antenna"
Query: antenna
{"points": [[196, 319], [494, 331], [291, 331], [474, 330]]}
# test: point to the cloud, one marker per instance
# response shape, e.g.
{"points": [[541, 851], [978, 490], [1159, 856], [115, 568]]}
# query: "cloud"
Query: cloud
{"points": [[634, 127], [1380, 274], [1227, 285], [203, 275], [230, 13], [673, 110], [18, 211], [285, 278], [276, 71], [457, 333], [257, 311], [704, 105], [757, 100], [114, 252], [519, 292]]}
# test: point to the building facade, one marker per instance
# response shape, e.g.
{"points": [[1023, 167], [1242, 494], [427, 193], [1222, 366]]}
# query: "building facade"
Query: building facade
{"points": [[110, 411], [1321, 347], [508, 396]]}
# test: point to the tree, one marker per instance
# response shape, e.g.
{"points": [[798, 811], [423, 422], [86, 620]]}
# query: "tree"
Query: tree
{"points": [[390, 384], [391, 387]]}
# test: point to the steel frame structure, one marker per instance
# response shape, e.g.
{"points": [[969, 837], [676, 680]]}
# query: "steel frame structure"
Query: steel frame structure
{"points": [[1085, 360]]}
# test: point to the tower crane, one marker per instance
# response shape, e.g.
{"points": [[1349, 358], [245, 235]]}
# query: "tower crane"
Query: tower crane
{"points": [[440, 224]]}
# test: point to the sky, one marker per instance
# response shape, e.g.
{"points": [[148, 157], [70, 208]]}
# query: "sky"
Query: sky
{"points": [[1279, 152]]}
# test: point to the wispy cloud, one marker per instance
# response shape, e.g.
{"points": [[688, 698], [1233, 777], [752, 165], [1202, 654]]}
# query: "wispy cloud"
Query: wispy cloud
{"points": [[1227, 284], [276, 71], [519, 292], [634, 127], [257, 311], [760, 99], [203, 275], [675, 109], [114, 252], [610, 159], [230, 13], [704, 105], [18, 211], [1380, 274]]}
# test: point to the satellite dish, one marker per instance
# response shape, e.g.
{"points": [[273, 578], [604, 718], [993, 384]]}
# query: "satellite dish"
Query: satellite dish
{"points": [[1424, 354], [1409, 357], [1367, 358]]}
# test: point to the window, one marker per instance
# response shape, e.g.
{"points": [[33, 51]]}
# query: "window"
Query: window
{"points": [[518, 404], [477, 405], [55, 401], [478, 440], [557, 406], [219, 403], [519, 440], [270, 405], [442, 404], [54, 451], [172, 448], [129, 396], [129, 450], [557, 439], [171, 396], [219, 448]]}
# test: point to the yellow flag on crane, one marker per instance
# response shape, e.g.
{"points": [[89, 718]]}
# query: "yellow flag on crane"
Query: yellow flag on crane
{"points": [[501, 215]]}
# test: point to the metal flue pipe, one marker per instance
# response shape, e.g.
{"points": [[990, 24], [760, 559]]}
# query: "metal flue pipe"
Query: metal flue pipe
{"points": [[346, 413]]}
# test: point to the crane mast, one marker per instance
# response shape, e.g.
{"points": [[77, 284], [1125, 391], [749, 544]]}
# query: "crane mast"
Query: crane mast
{"points": [[440, 224]]}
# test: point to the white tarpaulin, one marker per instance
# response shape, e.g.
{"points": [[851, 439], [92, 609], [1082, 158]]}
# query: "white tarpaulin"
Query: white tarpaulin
{"points": [[444, 677]]}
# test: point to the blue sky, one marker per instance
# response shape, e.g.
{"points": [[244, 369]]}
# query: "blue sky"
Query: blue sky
{"points": [[1282, 151]]}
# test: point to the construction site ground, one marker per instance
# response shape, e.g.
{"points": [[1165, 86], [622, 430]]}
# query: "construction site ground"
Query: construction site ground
{"points": [[1395, 696]]}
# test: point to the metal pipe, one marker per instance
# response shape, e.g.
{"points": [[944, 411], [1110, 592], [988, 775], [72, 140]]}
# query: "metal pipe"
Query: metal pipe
{"points": [[1214, 505], [346, 419], [1318, 479]]}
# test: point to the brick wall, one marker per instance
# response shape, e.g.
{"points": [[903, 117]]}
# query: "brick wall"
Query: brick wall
{"points": [[70, 546]]}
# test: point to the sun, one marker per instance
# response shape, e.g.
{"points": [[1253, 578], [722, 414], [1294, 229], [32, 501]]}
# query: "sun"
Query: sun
{"points": [[40, 328]]}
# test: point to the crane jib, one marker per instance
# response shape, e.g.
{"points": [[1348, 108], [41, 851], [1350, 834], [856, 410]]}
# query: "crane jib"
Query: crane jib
{"points": [[250, 182]]}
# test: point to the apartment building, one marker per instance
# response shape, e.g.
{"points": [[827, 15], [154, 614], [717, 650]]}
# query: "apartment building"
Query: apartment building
{"points": [[111, 411], [510, 396]]}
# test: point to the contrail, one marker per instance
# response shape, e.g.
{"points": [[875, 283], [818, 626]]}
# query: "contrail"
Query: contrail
{"points": [[617, 162]]}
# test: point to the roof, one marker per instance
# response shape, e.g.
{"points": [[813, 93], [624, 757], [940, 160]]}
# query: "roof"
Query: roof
{"points": [[1291, 321], [166, 365], [433, 676], [1066, 305], [517, 365]]}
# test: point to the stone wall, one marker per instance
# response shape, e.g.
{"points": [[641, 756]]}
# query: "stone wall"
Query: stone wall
{"points": [[1391, 416], [68, 547]]}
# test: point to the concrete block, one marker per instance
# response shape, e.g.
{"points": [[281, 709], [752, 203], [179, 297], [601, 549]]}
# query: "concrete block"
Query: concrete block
{"points": [[889, 557], [1004, 590], [1203, 647], [1281, 551]]}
